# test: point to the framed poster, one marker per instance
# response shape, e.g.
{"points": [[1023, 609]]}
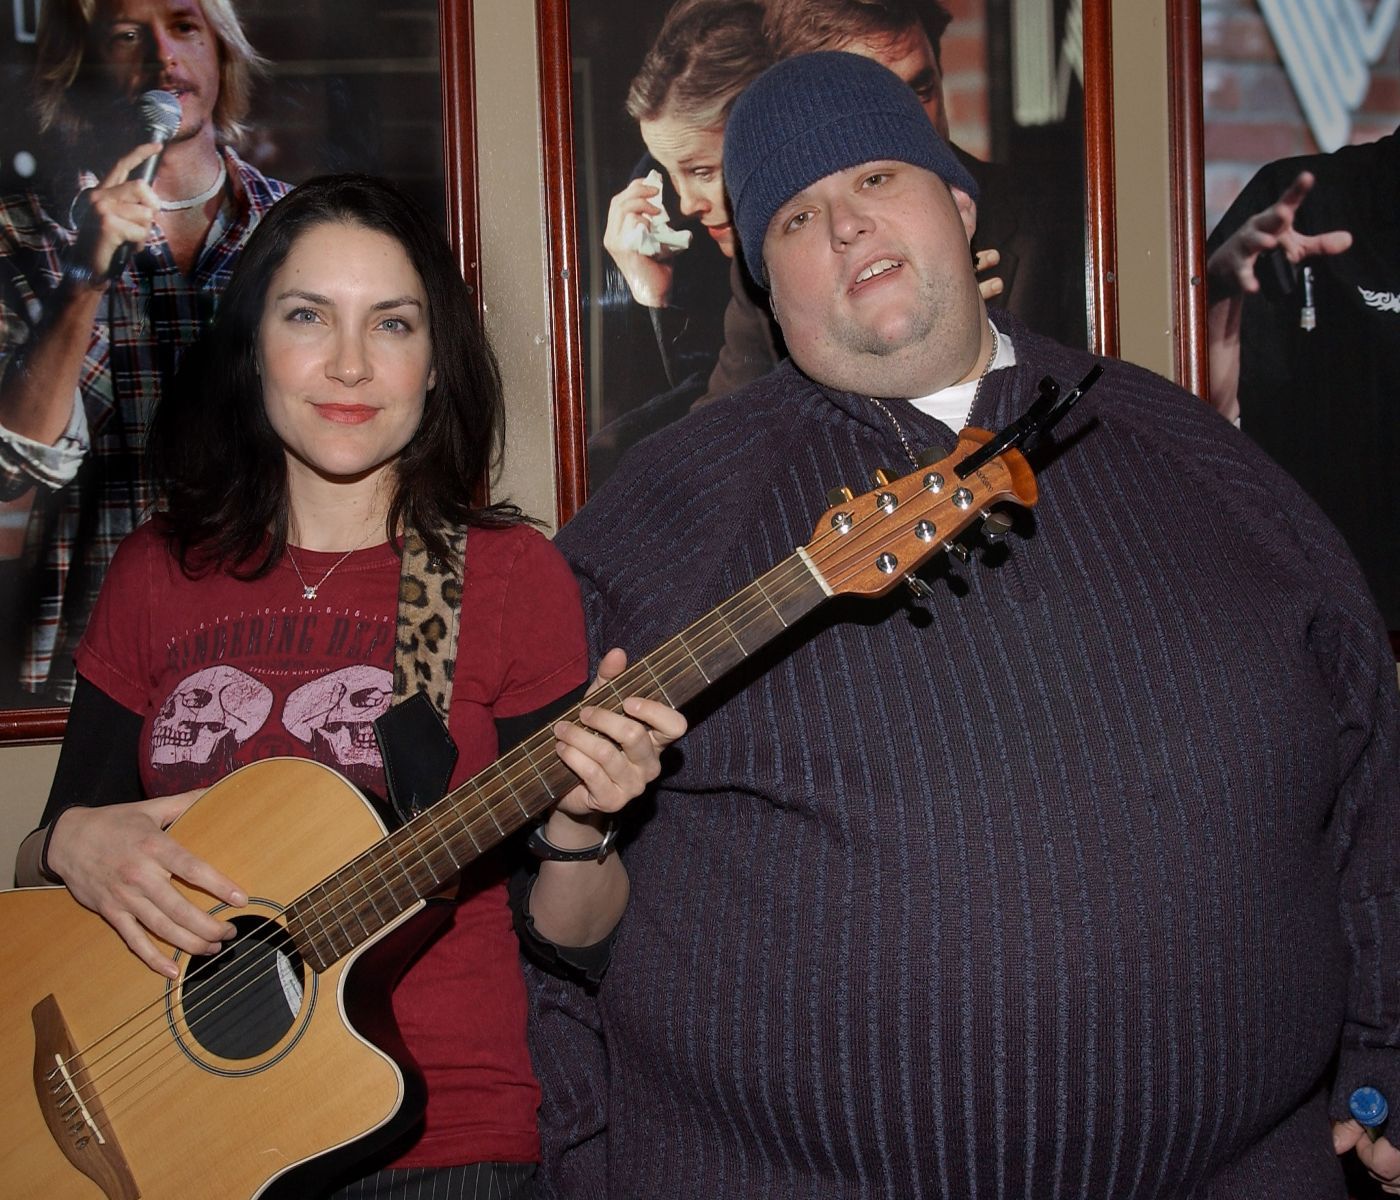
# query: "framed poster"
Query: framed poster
{"points": [[1021, 87], [367, 85], [1286, 131]]}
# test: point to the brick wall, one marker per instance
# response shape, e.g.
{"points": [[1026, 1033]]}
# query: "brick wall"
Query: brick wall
{"points": [[964, 60], [1251, 113]]}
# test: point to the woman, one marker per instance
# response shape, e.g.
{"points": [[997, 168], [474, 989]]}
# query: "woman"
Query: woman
{"points": [[349, 397], [705, 54]]}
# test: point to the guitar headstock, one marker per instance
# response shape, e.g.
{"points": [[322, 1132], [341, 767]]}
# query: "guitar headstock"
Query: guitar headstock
{"points": [[870, 543]]}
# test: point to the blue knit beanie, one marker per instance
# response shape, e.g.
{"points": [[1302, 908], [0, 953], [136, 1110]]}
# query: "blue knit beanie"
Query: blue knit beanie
{"points": [[815, 114]]}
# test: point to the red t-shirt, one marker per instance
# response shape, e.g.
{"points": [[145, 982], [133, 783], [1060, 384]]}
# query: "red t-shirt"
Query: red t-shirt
{"points": [[226, 672]]}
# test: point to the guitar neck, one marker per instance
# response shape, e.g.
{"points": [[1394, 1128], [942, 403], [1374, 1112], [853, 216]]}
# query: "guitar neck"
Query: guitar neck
{"points": [[346, 909]]}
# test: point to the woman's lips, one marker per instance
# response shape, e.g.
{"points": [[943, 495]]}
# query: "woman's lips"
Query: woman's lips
{"points": [[346, 414]]}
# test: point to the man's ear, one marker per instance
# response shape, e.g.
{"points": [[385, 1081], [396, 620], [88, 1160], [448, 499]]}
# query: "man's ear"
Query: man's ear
{"points": [[967, 210]]}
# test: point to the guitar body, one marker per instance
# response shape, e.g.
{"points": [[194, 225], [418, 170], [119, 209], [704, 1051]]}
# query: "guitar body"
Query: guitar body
{"points": [[214, 1084]]}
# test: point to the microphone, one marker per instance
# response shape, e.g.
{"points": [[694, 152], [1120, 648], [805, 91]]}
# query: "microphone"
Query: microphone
{"points": [[160, 114]]}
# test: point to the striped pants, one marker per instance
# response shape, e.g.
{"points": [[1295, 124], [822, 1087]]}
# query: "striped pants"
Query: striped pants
{"points": [[480, 1181]]}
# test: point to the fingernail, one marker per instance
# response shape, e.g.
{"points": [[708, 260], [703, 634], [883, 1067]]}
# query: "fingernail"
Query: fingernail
{"points": [[238, 899]]}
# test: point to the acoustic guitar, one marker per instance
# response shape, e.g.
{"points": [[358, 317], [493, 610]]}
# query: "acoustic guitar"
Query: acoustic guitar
{"points": [[121, 1083]]}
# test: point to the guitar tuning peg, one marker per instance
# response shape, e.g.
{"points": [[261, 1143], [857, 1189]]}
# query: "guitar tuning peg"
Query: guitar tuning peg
{"points": [[926, 458], [840, 495], [958, 550], [880, 477], [995, 526], [921, 590]]}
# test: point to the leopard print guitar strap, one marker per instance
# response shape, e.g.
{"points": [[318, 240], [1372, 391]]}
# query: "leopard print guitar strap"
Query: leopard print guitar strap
{"points": [[417, 749]]}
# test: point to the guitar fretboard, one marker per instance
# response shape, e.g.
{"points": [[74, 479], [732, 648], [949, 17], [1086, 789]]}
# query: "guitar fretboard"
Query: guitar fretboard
{"points": [[347, 908]]}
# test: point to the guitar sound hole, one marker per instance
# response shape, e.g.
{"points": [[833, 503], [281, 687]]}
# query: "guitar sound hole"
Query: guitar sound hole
{"points": [[238, 1003]]}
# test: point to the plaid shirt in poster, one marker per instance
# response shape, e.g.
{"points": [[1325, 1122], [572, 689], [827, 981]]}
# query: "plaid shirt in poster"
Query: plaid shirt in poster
{"points": [[90, 489]]}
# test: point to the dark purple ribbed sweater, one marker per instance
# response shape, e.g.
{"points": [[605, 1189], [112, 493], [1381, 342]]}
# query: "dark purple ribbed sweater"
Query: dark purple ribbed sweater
{"points": [[1071, 881]]}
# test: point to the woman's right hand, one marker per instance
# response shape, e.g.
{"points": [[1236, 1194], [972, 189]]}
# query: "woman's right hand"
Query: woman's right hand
{"points": [[648, 278], [118, 861]]}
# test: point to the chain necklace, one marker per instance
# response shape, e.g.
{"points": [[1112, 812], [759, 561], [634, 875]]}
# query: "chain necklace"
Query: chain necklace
{"points": [[309, 590], [976, 393], [194, 201]]}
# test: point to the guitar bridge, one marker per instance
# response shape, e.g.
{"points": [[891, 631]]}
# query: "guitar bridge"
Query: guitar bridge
{"points": [[72, 1108]]}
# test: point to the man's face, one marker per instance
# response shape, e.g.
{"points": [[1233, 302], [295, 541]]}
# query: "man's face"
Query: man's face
{"points": [[910, 56], [872, 281], [161, 44]]}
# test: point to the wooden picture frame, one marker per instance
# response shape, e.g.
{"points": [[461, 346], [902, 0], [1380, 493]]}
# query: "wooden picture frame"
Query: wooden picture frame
{"points": [[455, 195], [564, 146]]}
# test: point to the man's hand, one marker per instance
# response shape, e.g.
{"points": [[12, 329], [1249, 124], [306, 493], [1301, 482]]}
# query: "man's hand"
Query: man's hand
{"points": [[1230, 270], [120, 210], [118, 861], [983, 261], [1230, 276], [1380, 1158], [648, 278]]}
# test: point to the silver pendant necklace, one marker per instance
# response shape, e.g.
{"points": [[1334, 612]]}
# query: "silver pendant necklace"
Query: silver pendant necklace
{"points": [[976, 394], [309, 590]]}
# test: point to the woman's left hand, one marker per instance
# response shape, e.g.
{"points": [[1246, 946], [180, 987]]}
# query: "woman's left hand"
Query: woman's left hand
{"points": [[615, 755]]}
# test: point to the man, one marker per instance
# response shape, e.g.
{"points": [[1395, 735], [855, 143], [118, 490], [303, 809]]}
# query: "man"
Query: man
{"points": [[1019, 221], [1069, 879], [1304, 330], [1028, 266], [85, 350]]}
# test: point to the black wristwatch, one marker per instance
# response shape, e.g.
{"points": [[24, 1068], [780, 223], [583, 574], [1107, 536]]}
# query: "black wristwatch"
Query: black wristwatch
{"points": [[541, 847]]}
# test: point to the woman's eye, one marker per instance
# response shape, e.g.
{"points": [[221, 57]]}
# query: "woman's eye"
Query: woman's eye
{"points": [[395, 325], [302, 316], [796, 221], [876, 179]]}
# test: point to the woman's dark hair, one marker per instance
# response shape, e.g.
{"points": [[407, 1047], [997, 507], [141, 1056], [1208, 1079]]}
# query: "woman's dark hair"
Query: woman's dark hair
{"points": [[218, 465]]}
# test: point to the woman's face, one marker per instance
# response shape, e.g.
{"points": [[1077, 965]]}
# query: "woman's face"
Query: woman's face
{"points": [[693, 158], [344, 352]]}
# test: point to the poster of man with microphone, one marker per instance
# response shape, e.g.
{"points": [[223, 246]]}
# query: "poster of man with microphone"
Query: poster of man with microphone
{"points": [[107, 280]]}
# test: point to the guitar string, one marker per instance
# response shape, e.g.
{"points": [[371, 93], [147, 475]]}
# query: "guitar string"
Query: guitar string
{"points": [[234, 986], [470, 821]]}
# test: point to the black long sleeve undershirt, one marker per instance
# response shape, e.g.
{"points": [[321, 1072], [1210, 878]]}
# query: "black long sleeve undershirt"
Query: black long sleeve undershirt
{"points": [[98, 764]]}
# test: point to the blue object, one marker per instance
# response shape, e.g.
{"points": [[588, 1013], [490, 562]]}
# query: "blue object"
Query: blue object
{"points": [[1368, 1106]]}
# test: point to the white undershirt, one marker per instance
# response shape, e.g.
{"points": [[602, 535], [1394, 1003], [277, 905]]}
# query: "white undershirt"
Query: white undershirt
{"points": [[952, 405]]}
